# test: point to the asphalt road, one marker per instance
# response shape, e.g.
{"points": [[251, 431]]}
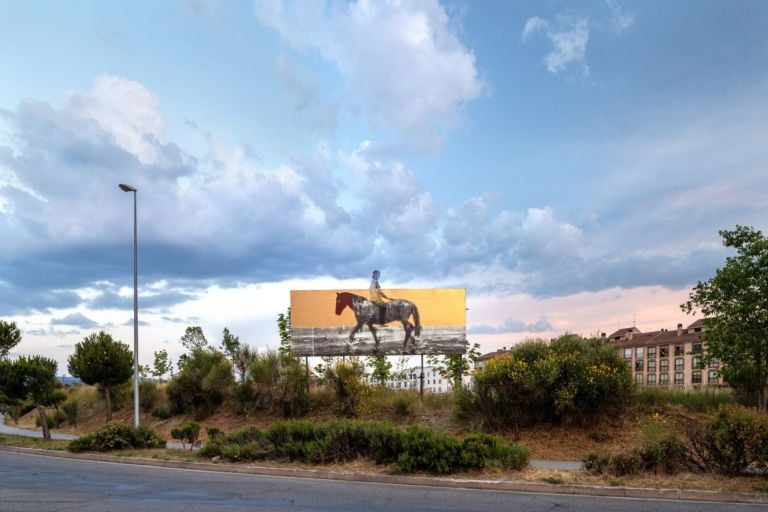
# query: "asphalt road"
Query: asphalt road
{"points": [[46, 484]]}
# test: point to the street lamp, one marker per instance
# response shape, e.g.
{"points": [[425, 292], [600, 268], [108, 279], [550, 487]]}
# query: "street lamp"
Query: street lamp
{"points": [[128, 188]]}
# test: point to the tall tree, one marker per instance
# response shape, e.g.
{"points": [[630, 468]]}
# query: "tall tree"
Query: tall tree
{"points": [[734, 304], [230, 344], [284, 330], [161, 364], [194, 339], [100, 360], [381, 368], [36, 380], [10, 336], [455, 366]]}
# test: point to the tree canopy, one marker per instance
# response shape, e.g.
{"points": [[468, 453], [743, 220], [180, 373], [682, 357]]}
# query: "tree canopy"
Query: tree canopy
{"points": [[734, 304], [194, 339], [10, 336], [31, 378], [100, 360]]}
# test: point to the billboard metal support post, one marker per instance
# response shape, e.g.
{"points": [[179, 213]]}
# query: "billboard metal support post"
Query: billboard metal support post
{"points": [[306, 363], [421, 379]]}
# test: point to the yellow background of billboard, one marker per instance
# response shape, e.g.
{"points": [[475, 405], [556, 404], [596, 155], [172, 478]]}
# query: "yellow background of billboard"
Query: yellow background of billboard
{"points": [[444, 307]]}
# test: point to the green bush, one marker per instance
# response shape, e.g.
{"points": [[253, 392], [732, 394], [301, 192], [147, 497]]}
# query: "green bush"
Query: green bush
{"points": [[414, 449], [275, 383], [404, 403], [54, 420], [71, 409], [568, 381], [353, 394], [117, 436], [187, 434], [203, 382], [736, 439], [149, 394], [161, 413], [214, 433]]}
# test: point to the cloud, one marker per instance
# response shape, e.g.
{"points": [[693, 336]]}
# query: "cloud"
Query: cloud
{"points": [[76, 320], [404, 66], [129, 323], [511, 325], [621, 19], [568, 36], [315, 111]]}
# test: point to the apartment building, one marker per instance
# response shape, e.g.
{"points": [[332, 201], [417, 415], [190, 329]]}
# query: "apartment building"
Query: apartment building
{"points": [[666, 358], [409, 379]]}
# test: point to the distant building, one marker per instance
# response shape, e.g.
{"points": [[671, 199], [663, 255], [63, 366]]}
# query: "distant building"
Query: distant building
{"points": [[408, 379], [483, 359], [666, 358]]}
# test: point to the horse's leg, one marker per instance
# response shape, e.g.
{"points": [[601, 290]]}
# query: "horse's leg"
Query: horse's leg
{"points": [[375, 338], [352, 334], [407, 327]]}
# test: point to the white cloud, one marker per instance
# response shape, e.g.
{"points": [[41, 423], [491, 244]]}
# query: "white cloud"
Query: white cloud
{"points": [[621, 19], [568, 36], [404, 67]]}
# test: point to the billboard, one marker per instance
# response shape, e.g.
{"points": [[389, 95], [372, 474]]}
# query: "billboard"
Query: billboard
{"points": [[352, 322]]}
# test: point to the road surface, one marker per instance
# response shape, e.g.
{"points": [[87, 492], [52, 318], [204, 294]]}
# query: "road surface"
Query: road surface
{"points": [[45, 484]]}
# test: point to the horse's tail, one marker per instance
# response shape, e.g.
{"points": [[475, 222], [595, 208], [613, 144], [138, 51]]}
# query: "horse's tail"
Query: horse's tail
{"points": [[417, 320]]}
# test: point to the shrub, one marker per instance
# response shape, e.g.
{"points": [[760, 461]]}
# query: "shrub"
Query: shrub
{"points": [[736, 439], [415, 449], [352, 392], [275, 382], [71, 409], [404, 404], [214, 433], [187, 434], [149, 393], [54, 420], [161, 413], [117, 436], [204, 381], [570, 381]]}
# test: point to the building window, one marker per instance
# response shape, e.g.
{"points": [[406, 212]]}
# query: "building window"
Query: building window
{"points": [[638, 365], [713, 363], [679, 350], [651, 352], [652, 366], [664, 351], [697, 348], [664, 365], [696, 362], [679, 377], [639, 378], [639, 352], [663, 379], [628, 353], [679, 363], [696, 377], [714, 378], [652, 379]]}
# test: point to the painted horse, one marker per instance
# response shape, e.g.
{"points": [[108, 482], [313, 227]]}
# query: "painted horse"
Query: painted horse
{"points": [[369, 313]]}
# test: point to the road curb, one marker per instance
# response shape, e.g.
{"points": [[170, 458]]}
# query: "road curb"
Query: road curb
{"points": [[451, 483]]}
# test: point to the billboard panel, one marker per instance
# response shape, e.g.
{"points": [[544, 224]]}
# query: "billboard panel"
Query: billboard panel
{"points": [[348, 322]]}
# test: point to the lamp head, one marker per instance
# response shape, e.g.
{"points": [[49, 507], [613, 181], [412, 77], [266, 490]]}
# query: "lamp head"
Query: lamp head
{"points": [[126, 188]]}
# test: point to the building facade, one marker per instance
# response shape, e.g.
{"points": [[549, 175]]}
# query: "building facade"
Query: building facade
{"points": [[666, 358], [408, 379]]}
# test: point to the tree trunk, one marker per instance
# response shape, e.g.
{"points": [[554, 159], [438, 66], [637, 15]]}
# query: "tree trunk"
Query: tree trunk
{"points": [[108, 400], [43, 422]]}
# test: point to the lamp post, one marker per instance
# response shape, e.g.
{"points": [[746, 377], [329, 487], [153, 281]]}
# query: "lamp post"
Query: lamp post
{"points": [[128, 188]]}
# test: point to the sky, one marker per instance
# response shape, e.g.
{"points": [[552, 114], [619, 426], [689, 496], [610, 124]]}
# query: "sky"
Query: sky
{"points": [[569, 163]]}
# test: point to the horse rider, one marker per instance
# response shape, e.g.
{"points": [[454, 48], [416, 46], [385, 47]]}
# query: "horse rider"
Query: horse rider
{"points": [[377, 296]]}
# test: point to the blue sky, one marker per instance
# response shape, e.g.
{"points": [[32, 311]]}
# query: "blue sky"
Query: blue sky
{"points": [[569, 163]]}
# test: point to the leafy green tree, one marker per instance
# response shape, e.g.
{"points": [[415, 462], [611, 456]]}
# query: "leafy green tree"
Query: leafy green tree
{"points": [[455, 366], [203, 382], [100, 360], [284, 329], [161, 365], [381, 368], [230, 344], [734, 304], [34, 378], [10, 336], [194, 339]]}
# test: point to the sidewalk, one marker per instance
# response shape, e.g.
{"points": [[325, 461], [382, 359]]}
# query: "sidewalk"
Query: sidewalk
{"points": [[565, 465]]}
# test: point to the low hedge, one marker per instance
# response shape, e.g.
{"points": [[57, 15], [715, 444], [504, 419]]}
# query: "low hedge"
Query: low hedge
{"points": [[414, 449], [117, 436]]}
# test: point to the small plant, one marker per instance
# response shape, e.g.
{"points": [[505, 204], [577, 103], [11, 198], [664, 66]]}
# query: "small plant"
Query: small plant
{"points": [[404, 404], [187, 434], [70, 408], [553, 479], [161, 413], [214, 433], [117, 436]]}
